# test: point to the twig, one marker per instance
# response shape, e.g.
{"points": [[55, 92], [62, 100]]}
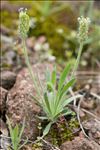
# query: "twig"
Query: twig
{"points": [[78, 117], [97, 121], [91, 114], [72, 93], [52, 147], [87, 72], [95, 95]]}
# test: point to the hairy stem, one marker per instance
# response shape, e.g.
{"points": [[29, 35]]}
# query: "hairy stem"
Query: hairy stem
{"points": [[30, 68], [77, 60]]}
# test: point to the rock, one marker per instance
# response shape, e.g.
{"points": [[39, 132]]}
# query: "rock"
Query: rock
{"points": [[93, 128], [88, 104], [3, 94], [80, 144], [8, 79], [7, 40], [20, 104], [11, 57]]}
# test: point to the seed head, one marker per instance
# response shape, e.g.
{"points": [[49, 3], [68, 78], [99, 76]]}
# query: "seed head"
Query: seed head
{"points": [[23, 23], [83, 28]]}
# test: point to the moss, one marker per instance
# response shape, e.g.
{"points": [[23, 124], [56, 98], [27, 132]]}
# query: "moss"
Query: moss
{"points": [[37, 146], [61, 44], [8, 19], [62, 131], [54, 136]]}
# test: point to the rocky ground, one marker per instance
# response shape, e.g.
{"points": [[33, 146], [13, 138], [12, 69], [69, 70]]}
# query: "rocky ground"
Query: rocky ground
{"points": [[80, 131], [16, 102]]}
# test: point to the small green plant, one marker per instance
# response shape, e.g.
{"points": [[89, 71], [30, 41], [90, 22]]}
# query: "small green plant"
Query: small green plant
{"points": [[53, 98], [16, 134]]}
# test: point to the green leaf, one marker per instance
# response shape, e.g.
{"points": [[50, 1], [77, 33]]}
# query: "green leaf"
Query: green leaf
{"points": [[63, 76], [69, 100], [15, 141], [66, 87], [51, 102], [42, 117], [10, 127], [53, 78], [50, 87], [62, 93], [47, 102], [36, 100], [46, 130], [21, 131], [58, 112], [48, 75], [66, 112], [15, 134]]}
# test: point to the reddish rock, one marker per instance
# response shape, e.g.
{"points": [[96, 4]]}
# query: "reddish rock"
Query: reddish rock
{"points": [[20, 104], [80, 144], [3, 94]]}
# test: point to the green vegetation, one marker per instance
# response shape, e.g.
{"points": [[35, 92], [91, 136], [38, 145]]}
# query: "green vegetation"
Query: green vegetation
{"points": [[16, 134], [63, 131], [53, 98]]}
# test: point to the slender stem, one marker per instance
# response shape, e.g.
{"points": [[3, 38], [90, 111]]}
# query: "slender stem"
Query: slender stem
{"points": [[77, 60], [30, 68]]}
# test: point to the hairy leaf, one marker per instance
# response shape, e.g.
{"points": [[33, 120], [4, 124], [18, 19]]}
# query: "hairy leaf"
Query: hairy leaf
{"points": [[46, 130], [47, 102], [66, 87], [63, 76], [53, 79]]}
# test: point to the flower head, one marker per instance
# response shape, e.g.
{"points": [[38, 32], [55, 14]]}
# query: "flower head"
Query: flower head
{"points": [[23, 23], [83, 28]]}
